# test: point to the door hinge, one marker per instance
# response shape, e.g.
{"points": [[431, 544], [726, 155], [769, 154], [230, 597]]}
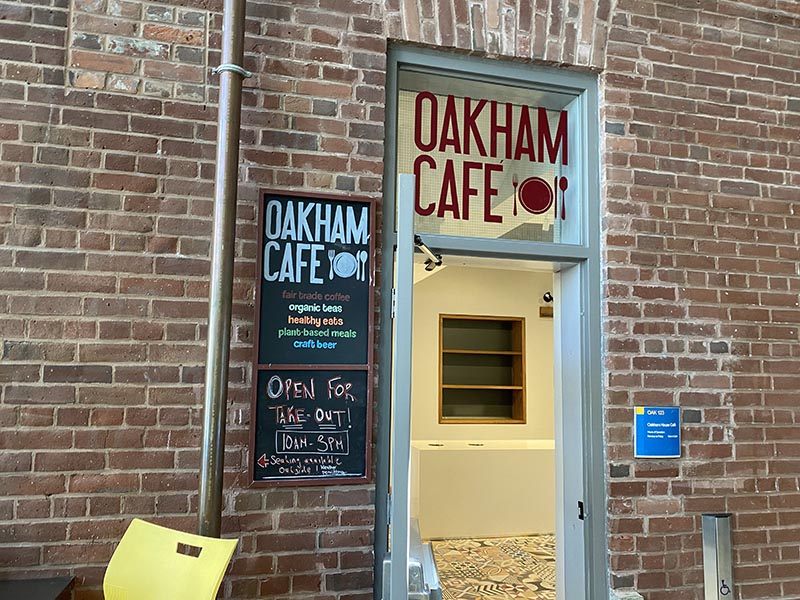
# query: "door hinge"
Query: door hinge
{"points": [[394, 302], [581, 511], [389, 507]]}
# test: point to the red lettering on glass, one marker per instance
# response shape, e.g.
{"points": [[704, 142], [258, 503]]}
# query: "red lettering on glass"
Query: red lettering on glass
{"points": [[461, 130], [433, 117], [428, 210], [496, 129], [490, 192], [524, 143], [448, 190], [561, 138], [471, 127], [450, 135], [468, 191]]}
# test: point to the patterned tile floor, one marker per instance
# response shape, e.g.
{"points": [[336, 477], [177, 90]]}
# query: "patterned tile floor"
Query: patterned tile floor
{"points": [[497, 568]]}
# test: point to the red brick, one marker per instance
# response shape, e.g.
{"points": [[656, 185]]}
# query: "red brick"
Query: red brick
{"points": [[74, 282], [33, 485], [36, 416], [19, 557], [116, 352], [108, 438], [114, 307], [170, 71], [50, 305], [78, 373], [182, 35], [158, 287], [19, 373], [141, 459], [12, 462], [116, 395], [170, 481], [345, 539], [358, 517], [98, 529], [126, 183], [107, 416], [299, 563], [70, 554], [108, 482], [114, 330], [72, 416], [308, 520], [69, 461]]}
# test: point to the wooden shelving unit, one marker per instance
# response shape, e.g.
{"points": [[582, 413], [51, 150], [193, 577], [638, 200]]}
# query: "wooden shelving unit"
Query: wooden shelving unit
{"points": [[481, 369]]}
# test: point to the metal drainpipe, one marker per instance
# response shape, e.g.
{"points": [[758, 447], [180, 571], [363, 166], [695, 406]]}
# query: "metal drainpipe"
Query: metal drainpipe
{"points": [[215, 399]]}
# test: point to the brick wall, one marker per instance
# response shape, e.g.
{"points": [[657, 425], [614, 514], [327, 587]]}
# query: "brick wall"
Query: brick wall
{"points": [[107, 135], [106, 146], [702, 284], [551, 31], [133, 47]]}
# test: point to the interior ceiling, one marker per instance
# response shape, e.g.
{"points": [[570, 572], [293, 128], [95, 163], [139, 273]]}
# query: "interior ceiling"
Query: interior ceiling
{"points": [[506, 264]]}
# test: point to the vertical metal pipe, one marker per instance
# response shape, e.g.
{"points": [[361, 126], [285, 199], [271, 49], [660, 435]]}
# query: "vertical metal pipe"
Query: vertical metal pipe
{"points": [[222, 252]]}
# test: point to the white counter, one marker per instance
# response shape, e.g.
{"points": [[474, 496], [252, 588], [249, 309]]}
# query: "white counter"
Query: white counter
{"points": [[483, 488]]}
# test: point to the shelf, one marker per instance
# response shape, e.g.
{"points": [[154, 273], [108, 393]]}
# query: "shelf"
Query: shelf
{"points": [[480, 334], [480, 387], [481, 421], [483, 352], [481, 369]]}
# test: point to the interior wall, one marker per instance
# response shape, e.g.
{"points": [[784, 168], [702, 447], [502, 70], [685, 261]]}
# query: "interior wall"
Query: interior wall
{"points": [[482, 291]]}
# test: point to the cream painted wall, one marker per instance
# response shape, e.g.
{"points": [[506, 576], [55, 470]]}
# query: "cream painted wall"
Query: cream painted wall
{"points": [[480, 291]]}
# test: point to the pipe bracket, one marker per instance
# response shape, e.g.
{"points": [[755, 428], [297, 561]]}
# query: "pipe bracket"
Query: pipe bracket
{"points": [[233, 69]]}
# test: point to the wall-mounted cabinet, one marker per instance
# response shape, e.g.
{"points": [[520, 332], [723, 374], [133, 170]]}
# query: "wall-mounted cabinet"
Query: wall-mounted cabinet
{"points": [[481, 369]]}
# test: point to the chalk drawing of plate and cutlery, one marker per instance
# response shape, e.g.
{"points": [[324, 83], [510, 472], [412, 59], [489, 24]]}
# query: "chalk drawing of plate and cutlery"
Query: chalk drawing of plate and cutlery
{"points": [[347, 264]]}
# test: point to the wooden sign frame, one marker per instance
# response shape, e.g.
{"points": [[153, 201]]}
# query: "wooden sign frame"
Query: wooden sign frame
{"points": [[311, 367]]}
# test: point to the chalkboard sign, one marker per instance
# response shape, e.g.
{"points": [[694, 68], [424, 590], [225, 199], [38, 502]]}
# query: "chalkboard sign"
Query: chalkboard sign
{"points": [[316, 266], [311, 411], [311, 424]]}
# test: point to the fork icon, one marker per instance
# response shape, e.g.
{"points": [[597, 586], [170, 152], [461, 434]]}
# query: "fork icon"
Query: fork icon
{"points": [[514, 183]]}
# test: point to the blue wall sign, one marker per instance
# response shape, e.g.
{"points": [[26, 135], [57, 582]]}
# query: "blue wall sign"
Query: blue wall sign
{"points": [[657, 432]]}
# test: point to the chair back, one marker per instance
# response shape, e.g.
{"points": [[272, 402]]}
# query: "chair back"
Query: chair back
{"points": [[157, 563]]}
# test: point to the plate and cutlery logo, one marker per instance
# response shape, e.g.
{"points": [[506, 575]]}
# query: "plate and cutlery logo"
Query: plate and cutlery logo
{"points": [[537, 196], [347, 264]]}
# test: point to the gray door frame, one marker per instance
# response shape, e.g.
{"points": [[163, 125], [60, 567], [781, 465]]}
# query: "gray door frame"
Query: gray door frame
{"points": [[578, 317], [400, 481]]}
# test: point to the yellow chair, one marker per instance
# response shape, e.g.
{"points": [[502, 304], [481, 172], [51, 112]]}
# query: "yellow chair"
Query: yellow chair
{"points": [[158, 563]]}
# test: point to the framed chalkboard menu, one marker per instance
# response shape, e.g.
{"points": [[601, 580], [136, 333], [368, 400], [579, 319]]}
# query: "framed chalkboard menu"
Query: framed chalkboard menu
{"points": [[311, 417]]}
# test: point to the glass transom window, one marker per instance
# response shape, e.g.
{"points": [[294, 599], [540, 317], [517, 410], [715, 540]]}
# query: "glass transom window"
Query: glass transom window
{"points": [[491, 161]]}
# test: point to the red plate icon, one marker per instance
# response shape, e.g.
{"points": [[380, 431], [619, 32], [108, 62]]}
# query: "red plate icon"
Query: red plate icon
{"points": [[536, 195]]}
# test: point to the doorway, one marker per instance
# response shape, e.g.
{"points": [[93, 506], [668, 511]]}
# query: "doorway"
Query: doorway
{"points": [[483, 490], [578, 564]]}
